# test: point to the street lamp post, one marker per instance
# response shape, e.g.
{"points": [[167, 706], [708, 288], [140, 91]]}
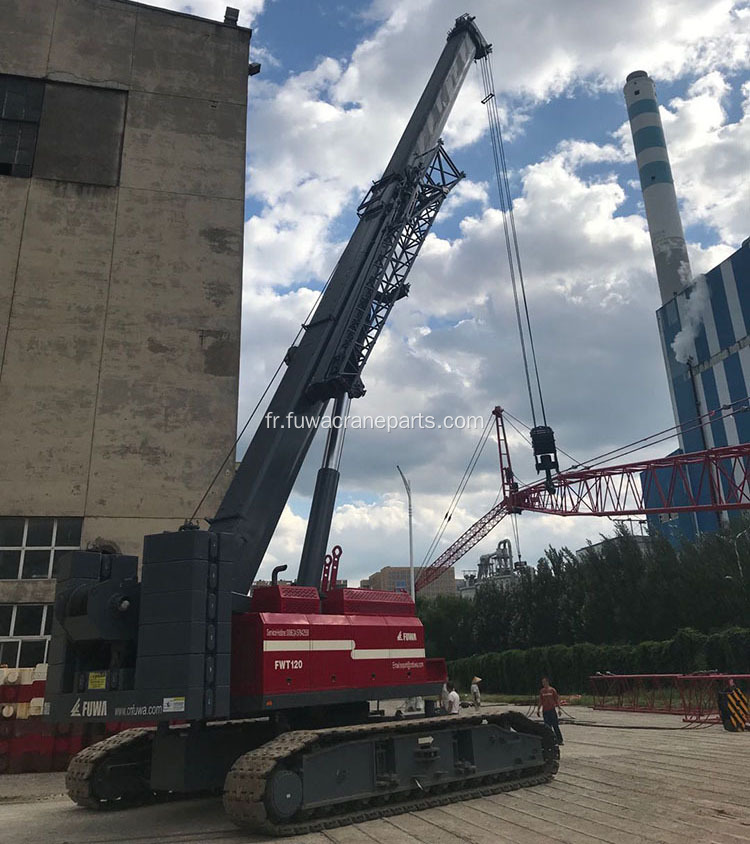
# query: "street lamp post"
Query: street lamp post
{"points": [[737, 551], [407, 487]]}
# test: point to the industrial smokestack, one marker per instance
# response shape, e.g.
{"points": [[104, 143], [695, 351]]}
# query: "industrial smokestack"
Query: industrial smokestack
{"points": [[664, 224]]}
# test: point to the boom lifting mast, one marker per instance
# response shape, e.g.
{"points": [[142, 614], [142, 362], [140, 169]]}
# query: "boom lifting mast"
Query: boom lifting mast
{"points": [[394, 220]]}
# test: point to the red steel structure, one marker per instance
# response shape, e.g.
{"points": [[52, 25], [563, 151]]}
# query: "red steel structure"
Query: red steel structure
{"points": [[712, 480], [636, 693], [694, 696]]}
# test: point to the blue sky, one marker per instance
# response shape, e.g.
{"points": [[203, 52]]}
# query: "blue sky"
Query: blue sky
{"points": [[337, 85]]}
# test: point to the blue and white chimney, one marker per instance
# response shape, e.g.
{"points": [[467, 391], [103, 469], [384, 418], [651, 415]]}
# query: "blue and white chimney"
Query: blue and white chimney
{"points": [[664, 224]]}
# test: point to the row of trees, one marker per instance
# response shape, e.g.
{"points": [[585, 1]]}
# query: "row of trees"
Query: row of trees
{"points": [[621, 591], [570, 666]]}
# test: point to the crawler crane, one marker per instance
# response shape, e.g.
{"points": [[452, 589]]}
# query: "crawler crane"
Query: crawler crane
{"points": [[267, 696]]}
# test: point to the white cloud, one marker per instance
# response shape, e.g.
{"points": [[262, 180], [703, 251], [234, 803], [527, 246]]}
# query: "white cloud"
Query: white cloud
{"points": [[465, 192], [212, 9], [710, 157], [318, 138]]}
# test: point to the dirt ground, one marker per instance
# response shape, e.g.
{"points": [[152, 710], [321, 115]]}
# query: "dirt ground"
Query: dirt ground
{"points": [[623, 778]]}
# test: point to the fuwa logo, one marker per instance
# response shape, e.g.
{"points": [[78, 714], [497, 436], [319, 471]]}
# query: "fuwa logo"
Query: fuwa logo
{"points": [[406, 637], [89, 709]]}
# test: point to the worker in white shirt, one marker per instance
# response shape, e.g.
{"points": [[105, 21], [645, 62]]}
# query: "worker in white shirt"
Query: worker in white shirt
{"points": [[444, 695], [454, 702]]}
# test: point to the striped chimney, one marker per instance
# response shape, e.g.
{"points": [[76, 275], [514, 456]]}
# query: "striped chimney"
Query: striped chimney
{"points": [[664, 224]]}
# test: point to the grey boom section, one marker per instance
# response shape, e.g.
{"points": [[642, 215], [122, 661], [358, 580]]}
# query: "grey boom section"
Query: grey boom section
{"points": [[338, 338]]}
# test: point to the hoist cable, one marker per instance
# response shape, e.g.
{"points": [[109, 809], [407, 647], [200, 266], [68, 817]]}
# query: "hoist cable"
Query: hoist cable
{"points": [[471, 465], [459, 490], [511, 239], [493, 121], [517, 250]]}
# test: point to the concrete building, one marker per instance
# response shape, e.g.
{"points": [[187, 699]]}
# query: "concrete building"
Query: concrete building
{"points": [[122, 162], [396, 578], [704, 322]]}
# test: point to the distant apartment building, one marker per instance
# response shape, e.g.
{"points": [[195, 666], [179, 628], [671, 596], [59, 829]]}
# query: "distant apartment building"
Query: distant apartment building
{"points": [[396, 578], [122, 166]]}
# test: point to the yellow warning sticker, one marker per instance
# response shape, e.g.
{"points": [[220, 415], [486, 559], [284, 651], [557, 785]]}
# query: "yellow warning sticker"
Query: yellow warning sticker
{"points": [[97, 680]]}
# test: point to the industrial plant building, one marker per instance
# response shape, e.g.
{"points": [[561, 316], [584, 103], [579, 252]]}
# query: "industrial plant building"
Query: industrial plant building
{"points": [[122, 165], [710, 387], [704, 321], [497, 570]]}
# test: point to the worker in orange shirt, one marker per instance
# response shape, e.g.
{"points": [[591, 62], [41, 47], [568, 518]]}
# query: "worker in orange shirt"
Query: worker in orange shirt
{"points": [[549, 703]]}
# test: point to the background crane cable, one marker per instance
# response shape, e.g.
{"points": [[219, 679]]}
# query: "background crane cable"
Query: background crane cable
{"points": [[511, 238], [468, 471]]}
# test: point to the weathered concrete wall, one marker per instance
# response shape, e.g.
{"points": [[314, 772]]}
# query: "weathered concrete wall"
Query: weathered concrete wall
{"points": [[121, 304], [170, 356], [27, 591], [93, 43], [50, 372], [13, 196], [26, 28]]}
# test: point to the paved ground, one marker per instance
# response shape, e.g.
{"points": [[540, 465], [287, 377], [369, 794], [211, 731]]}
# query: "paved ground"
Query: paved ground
{"points": [[616, 784]]}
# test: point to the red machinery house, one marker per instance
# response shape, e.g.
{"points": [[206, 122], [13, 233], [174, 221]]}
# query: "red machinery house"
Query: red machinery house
{"points": [[285, 646]]}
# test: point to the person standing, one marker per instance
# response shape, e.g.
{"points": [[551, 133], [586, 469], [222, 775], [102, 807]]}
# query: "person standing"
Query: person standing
{"points": [[444, 692], [453, 706], [549, 703], [475, 694]]}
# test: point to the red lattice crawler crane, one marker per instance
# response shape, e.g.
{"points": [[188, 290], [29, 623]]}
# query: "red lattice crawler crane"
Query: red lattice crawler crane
{"points": [[714, 480]]}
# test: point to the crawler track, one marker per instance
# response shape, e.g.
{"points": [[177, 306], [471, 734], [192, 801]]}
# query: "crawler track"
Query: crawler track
{"points": [[245, 799], [89, 779]]}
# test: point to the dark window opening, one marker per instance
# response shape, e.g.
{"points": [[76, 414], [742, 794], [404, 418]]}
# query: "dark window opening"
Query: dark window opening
{"points": [[61, 131], [69, 533], [32, 547], [32, 652], [28, 620], [80, 134], [20, 112], [39, 533], [36, 564], [6, 615], [9, 653], [24, 634], [9, 562], [11, 530]]}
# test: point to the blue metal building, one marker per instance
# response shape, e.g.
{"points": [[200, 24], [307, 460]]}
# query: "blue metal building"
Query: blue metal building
{"points": [[708, 323]]}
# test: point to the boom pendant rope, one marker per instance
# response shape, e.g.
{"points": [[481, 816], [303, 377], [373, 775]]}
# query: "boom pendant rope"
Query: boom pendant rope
{"points": [[542, 436]]}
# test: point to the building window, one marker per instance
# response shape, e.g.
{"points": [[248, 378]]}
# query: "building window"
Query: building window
{"points": [[24, 634], [61, 131], [20, 112], [30, 548]]}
